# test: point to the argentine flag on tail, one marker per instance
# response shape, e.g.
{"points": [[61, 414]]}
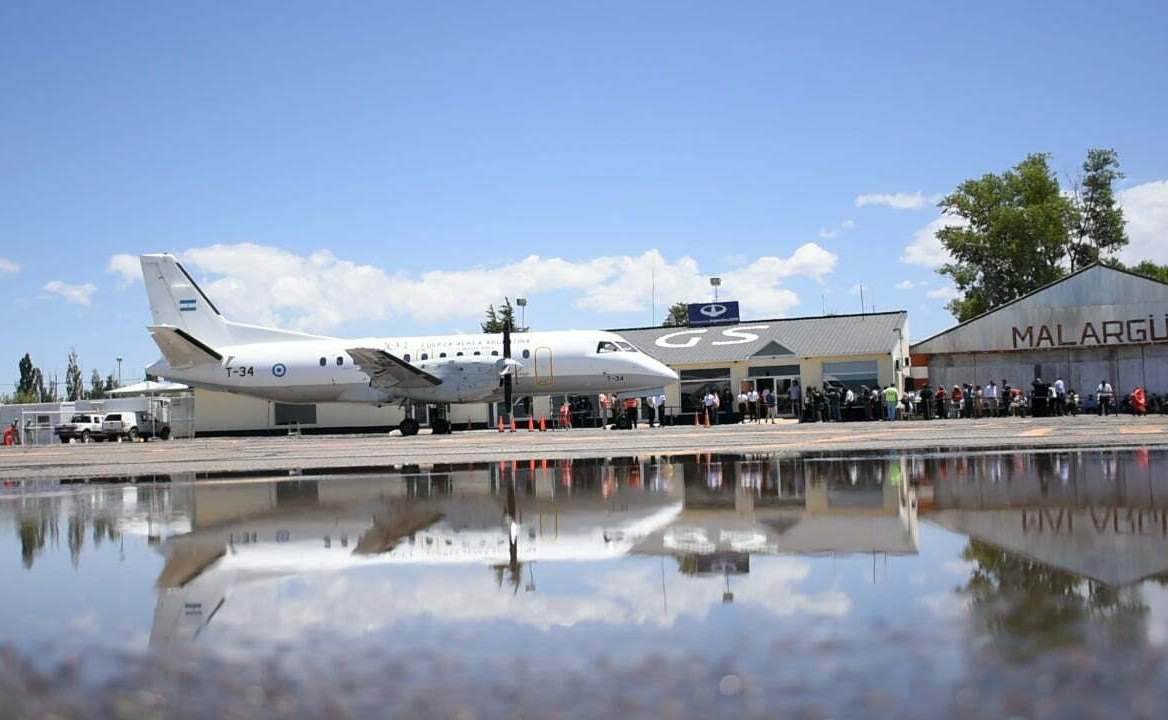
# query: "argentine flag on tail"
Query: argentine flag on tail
{"points": [[186, 305]]}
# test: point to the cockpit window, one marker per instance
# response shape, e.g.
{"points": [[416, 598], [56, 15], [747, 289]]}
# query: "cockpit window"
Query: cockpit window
{"points": [[627, 347], [606, 347]]}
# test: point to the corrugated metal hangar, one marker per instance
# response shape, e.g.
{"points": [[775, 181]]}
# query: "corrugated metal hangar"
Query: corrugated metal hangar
{"points": [[1098, 323]]}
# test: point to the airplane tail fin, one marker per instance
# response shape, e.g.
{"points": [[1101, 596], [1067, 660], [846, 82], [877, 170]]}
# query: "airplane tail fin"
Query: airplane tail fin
{"points": [[176, 301]]}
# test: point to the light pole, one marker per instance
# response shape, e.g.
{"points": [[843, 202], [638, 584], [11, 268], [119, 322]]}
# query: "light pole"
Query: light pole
{"points": [[522, 303], [715, 282], [119, 372]]}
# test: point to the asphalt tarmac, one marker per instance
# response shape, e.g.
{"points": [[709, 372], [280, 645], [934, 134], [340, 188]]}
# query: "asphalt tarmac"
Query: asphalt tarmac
{"points": [[291, 453]]}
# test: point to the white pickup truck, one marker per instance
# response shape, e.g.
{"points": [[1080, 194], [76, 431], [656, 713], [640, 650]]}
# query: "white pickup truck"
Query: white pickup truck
{"points": [[82, 427]]}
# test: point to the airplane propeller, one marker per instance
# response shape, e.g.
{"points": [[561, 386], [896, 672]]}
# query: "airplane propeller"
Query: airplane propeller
{"points": [[507, 368]]}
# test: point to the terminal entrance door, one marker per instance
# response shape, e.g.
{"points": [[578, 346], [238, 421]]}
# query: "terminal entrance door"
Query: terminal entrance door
{"points": [[780, 386]]}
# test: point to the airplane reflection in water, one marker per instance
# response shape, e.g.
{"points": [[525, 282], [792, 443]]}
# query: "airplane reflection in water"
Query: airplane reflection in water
{"points": [[1097, 516], [710, 513]]}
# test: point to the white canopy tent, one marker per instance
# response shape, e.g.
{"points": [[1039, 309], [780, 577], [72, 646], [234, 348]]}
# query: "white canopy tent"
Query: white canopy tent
{"points": [[149, 387]]}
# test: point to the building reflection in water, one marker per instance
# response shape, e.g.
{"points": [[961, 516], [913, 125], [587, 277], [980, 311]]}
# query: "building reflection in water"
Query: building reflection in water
{"points": [[1053, 537]]}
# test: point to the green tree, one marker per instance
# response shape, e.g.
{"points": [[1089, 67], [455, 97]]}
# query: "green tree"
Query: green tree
{"points": [[74, 382], [496, 320], [111, 383], [1099, 230], [24, 386], [1147, 268], [31, 388], [1152, 270], [1016, 238], [96, 386], [678, 315]]}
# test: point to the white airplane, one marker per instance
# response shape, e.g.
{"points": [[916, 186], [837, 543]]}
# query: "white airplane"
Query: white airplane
{"points": [[203, 349]]}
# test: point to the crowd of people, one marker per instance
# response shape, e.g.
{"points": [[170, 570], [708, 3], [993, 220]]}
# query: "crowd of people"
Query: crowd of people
{"points": [[836, 402], [1041, 399]]}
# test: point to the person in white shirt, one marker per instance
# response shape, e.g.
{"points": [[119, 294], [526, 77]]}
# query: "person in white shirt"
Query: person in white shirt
{"points": [[990, 393], [752, 405], [1060, 397], [709, 406], [1105, 393], [743, 398]]}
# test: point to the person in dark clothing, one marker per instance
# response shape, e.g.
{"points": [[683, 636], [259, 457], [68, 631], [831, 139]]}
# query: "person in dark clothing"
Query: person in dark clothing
{"points": [[833, 401], [864, 399], [927, 401], [821, 410], [1039, 398], [940, 402], [1007, 397]]}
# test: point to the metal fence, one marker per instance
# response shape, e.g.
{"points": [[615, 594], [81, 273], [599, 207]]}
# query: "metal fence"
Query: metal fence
{"points": [[38, 422]]}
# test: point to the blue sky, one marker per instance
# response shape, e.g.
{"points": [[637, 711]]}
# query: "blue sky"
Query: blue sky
{"points": [[313, 163]]}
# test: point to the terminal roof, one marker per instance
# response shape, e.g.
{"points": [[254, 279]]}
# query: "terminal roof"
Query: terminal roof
{"points": [[773, 339]]}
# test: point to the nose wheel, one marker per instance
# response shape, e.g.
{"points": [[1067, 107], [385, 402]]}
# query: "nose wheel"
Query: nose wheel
{"points": [[440, 426], [408, 427]]}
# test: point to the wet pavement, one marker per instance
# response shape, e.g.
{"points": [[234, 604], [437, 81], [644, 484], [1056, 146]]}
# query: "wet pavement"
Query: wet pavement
{"points": [[990, 584], [328, 452]]}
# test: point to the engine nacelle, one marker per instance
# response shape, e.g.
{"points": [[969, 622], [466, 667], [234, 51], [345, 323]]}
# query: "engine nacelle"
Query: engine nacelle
{"points": [[464, 379]]}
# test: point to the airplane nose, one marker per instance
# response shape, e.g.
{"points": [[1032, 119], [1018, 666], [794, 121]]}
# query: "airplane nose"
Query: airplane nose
{"points": [[659, 370]]}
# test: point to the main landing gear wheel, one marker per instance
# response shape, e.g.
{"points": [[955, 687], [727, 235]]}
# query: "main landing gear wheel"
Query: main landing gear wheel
{"points": [[440, 426], [408, 427]]}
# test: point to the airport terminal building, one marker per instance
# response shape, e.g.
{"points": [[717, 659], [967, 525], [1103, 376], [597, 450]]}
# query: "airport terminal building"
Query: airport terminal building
{"points": [[869, 349], [1097, 323]]}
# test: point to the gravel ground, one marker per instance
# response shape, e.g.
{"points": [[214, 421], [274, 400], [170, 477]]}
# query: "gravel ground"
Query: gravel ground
{"points": [[791, 678]]}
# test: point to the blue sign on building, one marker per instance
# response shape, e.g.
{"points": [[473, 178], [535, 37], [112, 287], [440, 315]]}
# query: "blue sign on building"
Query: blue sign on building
{"points": [[715, 313]]}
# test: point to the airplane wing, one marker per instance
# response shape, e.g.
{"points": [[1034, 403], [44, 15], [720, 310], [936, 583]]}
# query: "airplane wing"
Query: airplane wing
{"points": [[388, 372]]}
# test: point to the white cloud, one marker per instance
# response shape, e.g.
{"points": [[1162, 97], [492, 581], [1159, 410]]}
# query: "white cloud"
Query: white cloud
{"points": [[896, 201], [319, 292], [947, 292], [905, 285], [843, 227], [925, 249], [79, 294], [620, 595], [7, 267], [1145, 207], [126, 267]]}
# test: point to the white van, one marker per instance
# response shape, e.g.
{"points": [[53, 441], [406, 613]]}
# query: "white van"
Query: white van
{"points": [[132, 425]]}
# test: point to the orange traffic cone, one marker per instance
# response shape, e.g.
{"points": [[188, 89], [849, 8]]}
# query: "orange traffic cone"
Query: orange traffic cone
{"points": [[512, 423], [500, 423], [706, 418], [697, 420], [543, 428], [530, 424]]}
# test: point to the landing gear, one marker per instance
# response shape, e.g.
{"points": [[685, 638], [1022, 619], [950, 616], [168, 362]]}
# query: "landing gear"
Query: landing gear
{"points": [[440, 426], [408, 427]]}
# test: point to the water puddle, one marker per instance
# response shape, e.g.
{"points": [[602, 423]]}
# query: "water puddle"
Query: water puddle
{"points": [[915, 585]]}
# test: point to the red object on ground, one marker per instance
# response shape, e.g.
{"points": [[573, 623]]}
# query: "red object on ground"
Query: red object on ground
{"points": [[543, 428], [530, 424], [9, 436], [500, 423]]}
